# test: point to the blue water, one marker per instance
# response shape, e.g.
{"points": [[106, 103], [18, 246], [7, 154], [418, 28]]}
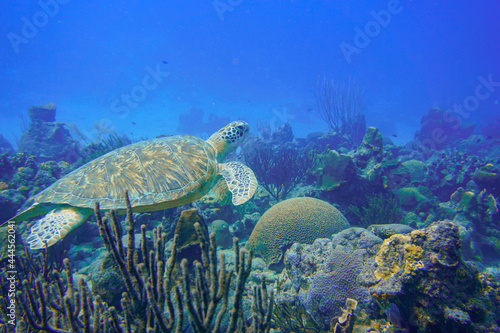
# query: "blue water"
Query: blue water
{"points": [[252, 60]]}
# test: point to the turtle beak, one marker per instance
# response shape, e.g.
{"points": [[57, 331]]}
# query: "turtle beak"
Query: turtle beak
{"points": [[242, 126]]}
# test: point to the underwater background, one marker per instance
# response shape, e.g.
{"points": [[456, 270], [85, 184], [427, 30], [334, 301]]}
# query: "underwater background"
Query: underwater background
{"points": [[374, 138], [243, 60]]}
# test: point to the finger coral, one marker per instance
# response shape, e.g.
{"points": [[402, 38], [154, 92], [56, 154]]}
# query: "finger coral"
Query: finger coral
{"points": [[155, 299]]}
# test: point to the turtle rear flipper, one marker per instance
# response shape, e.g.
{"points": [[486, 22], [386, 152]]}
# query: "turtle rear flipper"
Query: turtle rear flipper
{"points": [[54, 226], [240, 180]]}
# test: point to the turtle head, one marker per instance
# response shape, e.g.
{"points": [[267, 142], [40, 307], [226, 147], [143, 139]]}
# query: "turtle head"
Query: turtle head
{"points": [[228, 138]]}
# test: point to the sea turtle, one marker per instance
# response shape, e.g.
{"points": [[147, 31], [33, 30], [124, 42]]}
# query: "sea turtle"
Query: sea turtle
{"points": [[158, 174]]}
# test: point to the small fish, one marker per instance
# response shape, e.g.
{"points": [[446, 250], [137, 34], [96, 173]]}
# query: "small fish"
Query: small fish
{"points": [[133, 123], [394, 315], [395, 135], [166, 63]]}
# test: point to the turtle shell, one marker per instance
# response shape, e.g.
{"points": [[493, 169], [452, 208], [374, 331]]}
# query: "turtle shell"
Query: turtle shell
{"points": [[158, 174]]}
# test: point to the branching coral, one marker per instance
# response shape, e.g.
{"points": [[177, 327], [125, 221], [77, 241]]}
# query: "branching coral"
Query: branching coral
{"points": [[341, 108], [201, 296], [49, 302], [379, 209], [295, 318], [149, 284], [153, 300], [279, 169]]}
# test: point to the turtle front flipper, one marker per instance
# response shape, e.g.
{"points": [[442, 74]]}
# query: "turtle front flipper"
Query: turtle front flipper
{"points": [[240, 180], [55, 225]]}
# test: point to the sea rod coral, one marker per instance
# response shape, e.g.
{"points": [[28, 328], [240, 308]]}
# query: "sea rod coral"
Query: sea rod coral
{"points": [[154, 300]]}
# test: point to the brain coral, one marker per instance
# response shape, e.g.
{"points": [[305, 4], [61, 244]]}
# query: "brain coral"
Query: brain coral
{"points": [[294, 220], [417, 170], [331, 289]]}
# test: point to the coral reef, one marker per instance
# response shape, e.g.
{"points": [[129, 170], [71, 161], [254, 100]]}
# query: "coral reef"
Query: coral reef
{"points": [[47, 139], [438, 129], [387, 230], [331, 169], [320, 141], [5, 146], [475, 211], [294, 220], [21, 177], [417, 171], [417, 280], [279, 168], [48, 300], [380, 208], [379, 276], [329, 289], [424, 274], [222, 233], [411, 198], [352, 179], [283, 133], [352, 239], [10, 201], [187, 244], [321, 276], [450, 169], [200, 297], [340, 106], [6, 169], [370, 151], [154, 299], [345, 322], [293, 317], [488, 177]]}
